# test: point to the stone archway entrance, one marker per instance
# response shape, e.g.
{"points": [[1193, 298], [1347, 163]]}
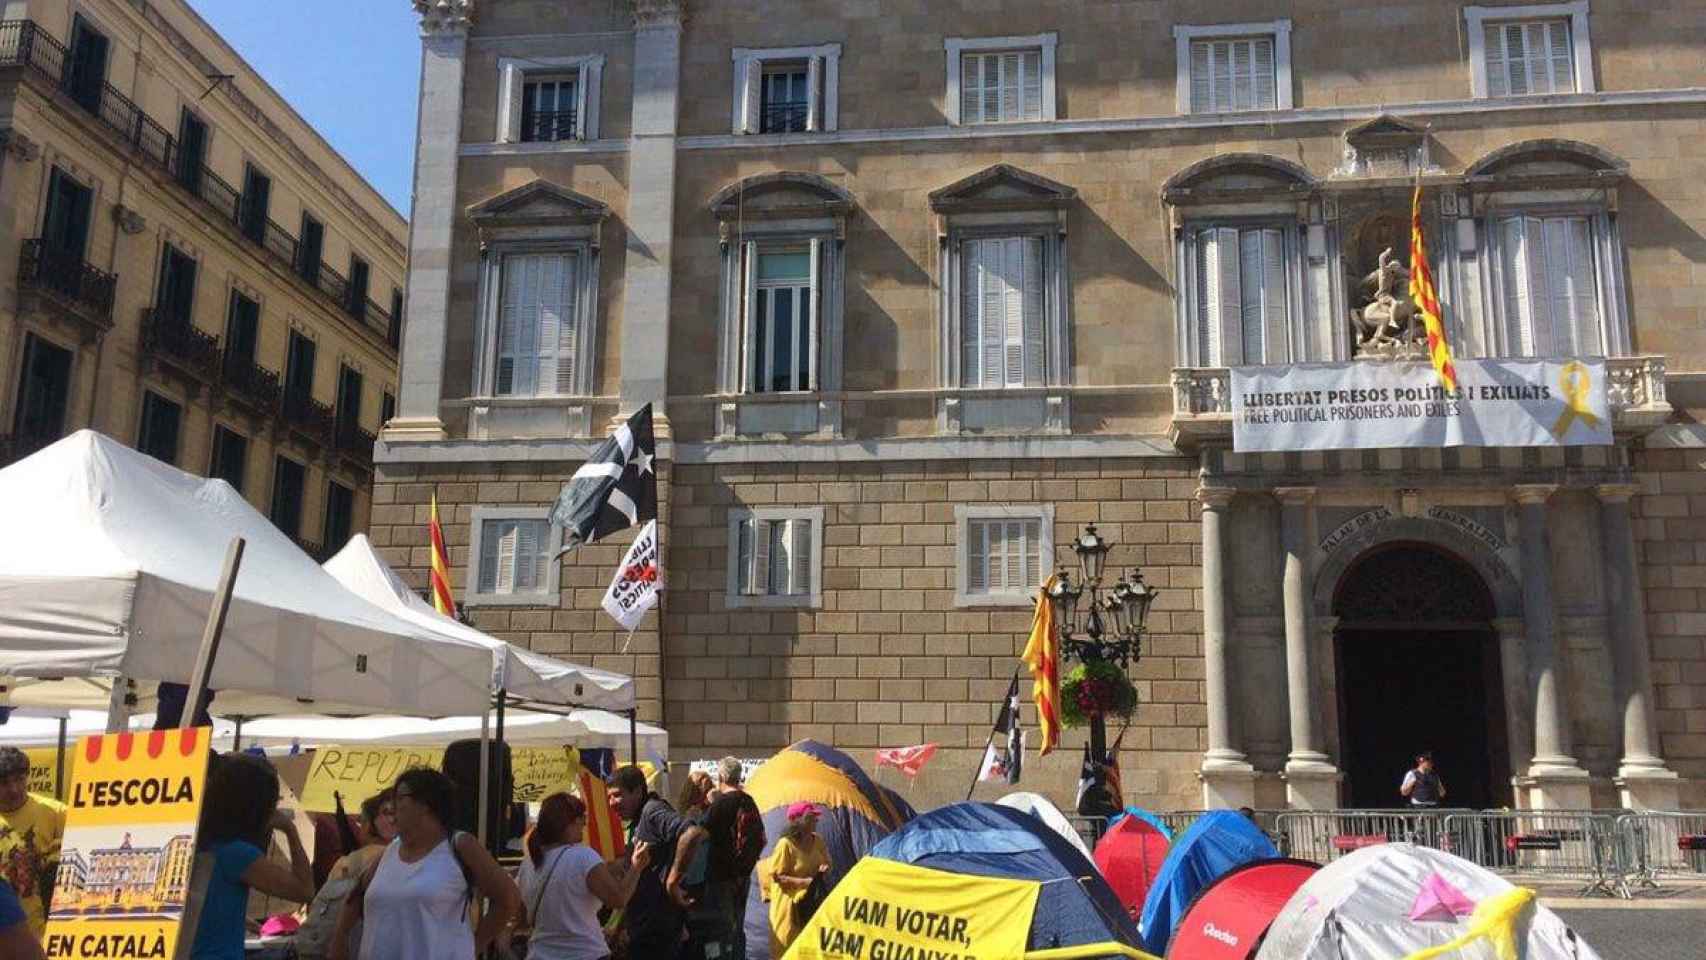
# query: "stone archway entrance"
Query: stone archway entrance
{"points": [[1418, 668]]}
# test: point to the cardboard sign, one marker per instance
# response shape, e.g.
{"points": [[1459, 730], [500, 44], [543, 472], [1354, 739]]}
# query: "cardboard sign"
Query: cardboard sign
{"points": [[541, 771], [359, 772], [44, 768], [129, 849]]}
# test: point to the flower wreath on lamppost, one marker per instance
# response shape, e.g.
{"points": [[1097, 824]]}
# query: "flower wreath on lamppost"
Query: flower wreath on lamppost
{"points": [[1106, 644]]}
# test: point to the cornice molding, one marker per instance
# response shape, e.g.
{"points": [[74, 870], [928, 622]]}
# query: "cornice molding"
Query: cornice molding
{"points": [[441, 17], [659, 13]]}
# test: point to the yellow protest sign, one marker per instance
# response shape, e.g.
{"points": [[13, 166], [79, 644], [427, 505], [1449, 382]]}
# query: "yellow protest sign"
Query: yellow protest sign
{"points": [[358, 773], [129, 849], [540, 772], [883, 910], [44, 768]]}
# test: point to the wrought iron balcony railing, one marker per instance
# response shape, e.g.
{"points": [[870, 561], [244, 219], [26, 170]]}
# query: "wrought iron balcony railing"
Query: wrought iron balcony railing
{"points": [[545, 127], [85, 288], [355, 443], [784, 116], [250, 381], [179, 342], [309, 416]]}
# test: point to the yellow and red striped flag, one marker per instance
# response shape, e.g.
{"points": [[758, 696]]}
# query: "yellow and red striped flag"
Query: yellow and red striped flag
{"points": [[603, 823], [440, 575], [1422, 292], [1042, 656]]}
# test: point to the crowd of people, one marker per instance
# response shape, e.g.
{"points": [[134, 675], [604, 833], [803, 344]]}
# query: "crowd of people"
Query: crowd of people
{"points": [[406, 879]]}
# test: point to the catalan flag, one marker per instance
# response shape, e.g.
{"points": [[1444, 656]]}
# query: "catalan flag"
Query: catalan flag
{"points": [[1042, 656], [441, 599], [1422, 292], [603, 823]]}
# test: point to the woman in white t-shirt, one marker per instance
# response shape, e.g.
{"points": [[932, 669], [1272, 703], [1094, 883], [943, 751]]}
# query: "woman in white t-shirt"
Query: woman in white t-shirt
{"points": [[564, 882]]}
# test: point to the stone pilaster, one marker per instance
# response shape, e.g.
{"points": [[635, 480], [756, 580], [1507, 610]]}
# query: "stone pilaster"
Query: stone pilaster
{"points": [[1228, 779], [444, 48], [1642, 777], [1558, 781], [1312, 782]]}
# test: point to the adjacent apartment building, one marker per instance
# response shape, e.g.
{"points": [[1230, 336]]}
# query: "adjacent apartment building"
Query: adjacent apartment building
{"points": [[189, 267], [919, 289]]}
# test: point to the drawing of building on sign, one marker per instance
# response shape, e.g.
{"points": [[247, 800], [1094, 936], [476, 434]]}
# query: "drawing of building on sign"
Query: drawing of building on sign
{"points": [[136, 877]]}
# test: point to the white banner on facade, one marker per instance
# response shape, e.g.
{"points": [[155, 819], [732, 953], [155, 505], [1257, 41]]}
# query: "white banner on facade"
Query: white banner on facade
{"points": [[634, 589], [1374, 404]]}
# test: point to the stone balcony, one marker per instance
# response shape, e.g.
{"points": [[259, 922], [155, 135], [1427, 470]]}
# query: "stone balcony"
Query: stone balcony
{"points": [[1202, 400]]}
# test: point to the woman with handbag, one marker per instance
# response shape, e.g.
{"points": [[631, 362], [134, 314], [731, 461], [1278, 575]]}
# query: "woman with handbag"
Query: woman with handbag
{"points": [[564, 882], [796, 876]]}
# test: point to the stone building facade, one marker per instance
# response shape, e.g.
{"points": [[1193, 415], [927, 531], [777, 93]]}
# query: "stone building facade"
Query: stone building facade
{"points": [[917, 291], [198, 273]]}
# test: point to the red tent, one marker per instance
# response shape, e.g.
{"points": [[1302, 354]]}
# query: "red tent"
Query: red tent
{"points": [[1228, 919], [1129, 855]]}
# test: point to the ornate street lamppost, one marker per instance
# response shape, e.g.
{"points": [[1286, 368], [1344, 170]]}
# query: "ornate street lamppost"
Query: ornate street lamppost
{"points": [[1109, 639]]}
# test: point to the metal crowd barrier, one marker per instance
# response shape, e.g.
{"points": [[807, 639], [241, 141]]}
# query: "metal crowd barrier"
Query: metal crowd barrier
{"points": [[1544, 845], [1654, 844], [1326, 835]]}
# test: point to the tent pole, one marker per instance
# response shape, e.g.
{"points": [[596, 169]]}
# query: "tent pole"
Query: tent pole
{"points": [[237, 734], [501, 836], [634, 738], [485, 775], [59, 764], [118, 706], [210, 634]]}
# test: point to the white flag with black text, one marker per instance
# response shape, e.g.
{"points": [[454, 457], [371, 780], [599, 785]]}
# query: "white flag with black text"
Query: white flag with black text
{"points": [[634, 589]]}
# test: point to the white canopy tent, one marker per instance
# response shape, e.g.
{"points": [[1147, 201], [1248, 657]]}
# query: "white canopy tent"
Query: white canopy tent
{"points": [[521, 674], [109, 567]]}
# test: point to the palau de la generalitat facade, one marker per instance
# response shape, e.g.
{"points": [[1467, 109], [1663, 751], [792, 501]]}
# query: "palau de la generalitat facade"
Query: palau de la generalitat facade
{"points": [[918, 290]]}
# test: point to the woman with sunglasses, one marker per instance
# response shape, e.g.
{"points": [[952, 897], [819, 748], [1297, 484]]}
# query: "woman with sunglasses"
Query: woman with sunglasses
{"points": [[564, 882]]}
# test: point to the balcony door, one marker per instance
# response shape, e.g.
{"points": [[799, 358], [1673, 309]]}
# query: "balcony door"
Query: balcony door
{"points": [[176, 297], [309, 250], [44, 390], [65, 227], [349, 399], [257, 193], [192, 150], [299, 368], [86, 66]]}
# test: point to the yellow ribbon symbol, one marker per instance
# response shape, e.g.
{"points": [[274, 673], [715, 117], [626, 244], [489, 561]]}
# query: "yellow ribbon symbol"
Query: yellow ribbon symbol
{"points": [[1575, 381]]}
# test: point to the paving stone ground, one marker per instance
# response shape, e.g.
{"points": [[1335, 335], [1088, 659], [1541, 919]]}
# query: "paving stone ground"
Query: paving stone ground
{"points": [[1641, 932]]}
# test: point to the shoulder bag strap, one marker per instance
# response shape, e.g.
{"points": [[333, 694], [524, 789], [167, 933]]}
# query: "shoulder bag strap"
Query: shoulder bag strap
{"points": [[544, 883]]}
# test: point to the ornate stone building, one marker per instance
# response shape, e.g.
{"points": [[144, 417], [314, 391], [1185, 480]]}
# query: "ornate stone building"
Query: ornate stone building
{"points": [[197, 272], [920, 289]]}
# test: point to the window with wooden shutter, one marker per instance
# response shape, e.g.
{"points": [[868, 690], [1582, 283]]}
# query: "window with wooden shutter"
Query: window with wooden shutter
{"points": [[1003, 87], [772, 557], [782, 306], [1240, 299], [1002, 555], [1232, 74], [1001, 311], [1550, 289], [539, 334], [513, 556], [1529, 57]]}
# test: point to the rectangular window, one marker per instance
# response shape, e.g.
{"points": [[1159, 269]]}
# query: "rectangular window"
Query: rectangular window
{"points": [[242, 329], [192, 150], [349, 400], [786, 99], [514, 556], [1002, 555], [782, 321], [774, 557], [230, 457], [1232, 74], [175, 299], [44, 391], [86, 64], [299, 367], [1001, 311], [1240, 301], [65, 225], [1001, 87], [356, 297], [1549, 286], [289, 479], [310, 249], [538, 333], [1529, 57], [257, 195], [158, 435], [387, 408], [394, 333], [548, 107], [340, 516]]}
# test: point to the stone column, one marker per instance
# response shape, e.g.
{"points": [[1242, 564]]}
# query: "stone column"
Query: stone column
{"points": [[426, 309], [1519, 709], [651, 206], [1642, 777], [1559, 782], [1312, 782], [1228, 779]]}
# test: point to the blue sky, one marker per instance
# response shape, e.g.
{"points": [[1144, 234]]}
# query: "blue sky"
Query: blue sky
{"points": [[349, 67]]}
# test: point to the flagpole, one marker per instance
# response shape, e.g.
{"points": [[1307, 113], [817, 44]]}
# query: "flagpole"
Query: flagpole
{"points": [[991, 741]]}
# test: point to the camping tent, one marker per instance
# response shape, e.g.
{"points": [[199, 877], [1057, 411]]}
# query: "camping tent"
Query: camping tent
{"points": [[858, 813], [971, 879], [1039, 806], [1130, 855], [1394, 899], [520, 673], [1218, 841], [111, 563], [1228, 918]]}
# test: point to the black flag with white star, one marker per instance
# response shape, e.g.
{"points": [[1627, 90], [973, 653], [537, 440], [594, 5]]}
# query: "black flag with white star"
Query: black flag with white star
{"points": [[615, 489]]}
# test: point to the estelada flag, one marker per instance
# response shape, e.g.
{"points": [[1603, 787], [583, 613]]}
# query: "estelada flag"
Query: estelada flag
{"points": [[908, 760], [440, 574], [1042, 656], [1422, 292], [603, 823]]}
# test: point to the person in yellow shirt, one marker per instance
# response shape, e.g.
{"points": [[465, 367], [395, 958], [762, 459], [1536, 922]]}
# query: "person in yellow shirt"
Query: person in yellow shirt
{"points": [[31, 828], [795, 876]]}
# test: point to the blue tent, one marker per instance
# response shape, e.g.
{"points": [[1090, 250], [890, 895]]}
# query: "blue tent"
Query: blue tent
{"points": [[1218, 841], [1074, 907], [1146, 817]]}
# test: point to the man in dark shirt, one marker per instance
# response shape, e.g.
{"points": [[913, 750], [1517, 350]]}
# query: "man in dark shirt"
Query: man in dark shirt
{"points": [[1422, 784], [654, 917]]}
